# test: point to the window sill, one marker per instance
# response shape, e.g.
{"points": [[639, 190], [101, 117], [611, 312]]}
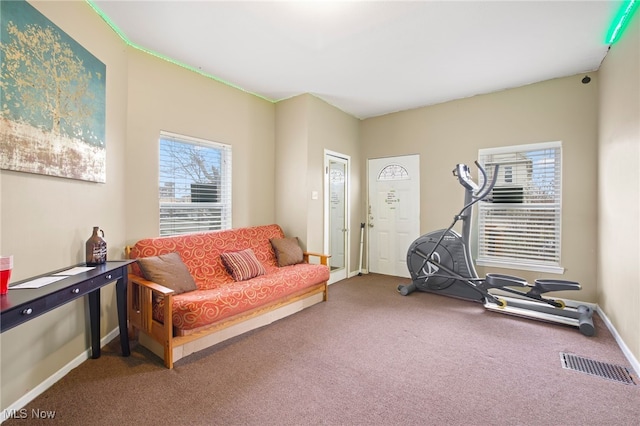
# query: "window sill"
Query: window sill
{"points": [[522, 266]]}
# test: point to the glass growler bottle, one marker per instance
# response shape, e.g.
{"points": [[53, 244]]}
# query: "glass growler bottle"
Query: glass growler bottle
{"points": [[96, 248]]}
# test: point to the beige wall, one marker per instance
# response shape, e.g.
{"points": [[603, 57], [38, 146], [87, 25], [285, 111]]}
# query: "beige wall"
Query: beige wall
{"points": [[306, 126], [47, 220], [619, 187], [332, 129], [451, 133], [291, 168], [166, 97]]}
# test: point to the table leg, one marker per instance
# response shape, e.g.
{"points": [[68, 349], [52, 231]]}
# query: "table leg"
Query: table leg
{"points": [[121, 297], [94, 316]]}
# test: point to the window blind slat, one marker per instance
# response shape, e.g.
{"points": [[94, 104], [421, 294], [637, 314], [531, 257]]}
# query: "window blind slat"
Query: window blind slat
{"points": [[522, 224], [195, 185]]}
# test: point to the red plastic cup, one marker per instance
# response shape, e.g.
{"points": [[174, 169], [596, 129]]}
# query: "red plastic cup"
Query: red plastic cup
{"points": [[6, 265]]}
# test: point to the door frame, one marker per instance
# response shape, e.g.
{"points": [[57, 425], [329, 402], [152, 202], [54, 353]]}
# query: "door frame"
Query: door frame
{"points": [[346, 159]]}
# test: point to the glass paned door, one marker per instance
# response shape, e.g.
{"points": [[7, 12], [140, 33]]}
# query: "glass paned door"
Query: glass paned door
{"points": [[337, 214]]}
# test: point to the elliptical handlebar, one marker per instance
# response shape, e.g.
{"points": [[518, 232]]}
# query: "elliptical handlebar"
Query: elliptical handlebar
{"points": [[487, 186]]}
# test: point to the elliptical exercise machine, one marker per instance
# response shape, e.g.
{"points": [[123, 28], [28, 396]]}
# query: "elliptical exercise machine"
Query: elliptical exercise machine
{"points": [[440, 262]]}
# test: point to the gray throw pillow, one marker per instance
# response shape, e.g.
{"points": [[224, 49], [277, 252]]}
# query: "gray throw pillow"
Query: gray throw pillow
{"points": [[288, 251], [169, 271]]}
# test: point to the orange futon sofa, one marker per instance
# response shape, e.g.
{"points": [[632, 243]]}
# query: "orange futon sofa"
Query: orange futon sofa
{"points": [[189, 292]]}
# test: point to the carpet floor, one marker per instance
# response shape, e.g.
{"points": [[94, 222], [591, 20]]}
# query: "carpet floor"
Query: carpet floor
{"points": [[368, 356]]}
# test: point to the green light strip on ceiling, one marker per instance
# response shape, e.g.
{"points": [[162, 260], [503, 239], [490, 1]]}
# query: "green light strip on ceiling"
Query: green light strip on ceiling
{"points": [[121, 34], [621, 21]]}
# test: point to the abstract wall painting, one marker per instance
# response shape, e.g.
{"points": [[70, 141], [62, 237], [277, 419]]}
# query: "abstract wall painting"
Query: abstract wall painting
{"points": [[52, 99]]}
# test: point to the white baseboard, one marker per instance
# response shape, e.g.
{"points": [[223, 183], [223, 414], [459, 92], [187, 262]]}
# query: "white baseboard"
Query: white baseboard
{"points": [[51, 380], [356, 273], [625, 349]]}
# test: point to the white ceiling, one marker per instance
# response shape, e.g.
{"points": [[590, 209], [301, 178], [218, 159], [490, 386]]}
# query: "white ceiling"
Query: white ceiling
{"points": [[372, 58]]}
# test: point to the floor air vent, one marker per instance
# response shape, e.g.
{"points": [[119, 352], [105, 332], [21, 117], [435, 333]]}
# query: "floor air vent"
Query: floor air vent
{"points": [[596, 368]]}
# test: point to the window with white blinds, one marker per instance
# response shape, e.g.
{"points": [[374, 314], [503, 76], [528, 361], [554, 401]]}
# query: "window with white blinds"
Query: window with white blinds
{"points": [[520, 228], [195, 185]]}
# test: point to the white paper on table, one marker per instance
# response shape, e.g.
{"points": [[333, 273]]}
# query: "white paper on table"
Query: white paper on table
{"points": [[37, 283], [75, 271]]}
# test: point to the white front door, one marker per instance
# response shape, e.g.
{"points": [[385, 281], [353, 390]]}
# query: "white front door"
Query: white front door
{"points": [[394, 212]]}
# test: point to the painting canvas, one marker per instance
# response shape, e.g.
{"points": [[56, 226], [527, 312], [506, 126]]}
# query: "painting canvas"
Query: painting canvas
{"points": [[52, 99]]}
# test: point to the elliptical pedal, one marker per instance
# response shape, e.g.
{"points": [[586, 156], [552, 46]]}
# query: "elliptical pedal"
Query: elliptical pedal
{"points": [[543, 286], [500, 280]]}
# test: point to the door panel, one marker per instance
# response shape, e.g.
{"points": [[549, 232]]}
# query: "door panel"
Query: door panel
{"points": [[337, 214], [394, 212]]}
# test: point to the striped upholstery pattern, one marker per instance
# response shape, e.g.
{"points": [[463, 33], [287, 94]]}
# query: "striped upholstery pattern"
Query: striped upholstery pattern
{"points": [[242, 265]]}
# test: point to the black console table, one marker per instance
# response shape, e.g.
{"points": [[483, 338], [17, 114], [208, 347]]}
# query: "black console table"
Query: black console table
{"points": [[21, 305]]}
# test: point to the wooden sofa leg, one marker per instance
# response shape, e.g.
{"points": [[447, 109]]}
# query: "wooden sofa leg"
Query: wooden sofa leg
{"points": [[167, 329], [168, 355]]}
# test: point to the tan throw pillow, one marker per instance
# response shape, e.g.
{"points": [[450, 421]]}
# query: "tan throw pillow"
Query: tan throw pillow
{"points": [[169, 271], [288, 250], [242, 265]]}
